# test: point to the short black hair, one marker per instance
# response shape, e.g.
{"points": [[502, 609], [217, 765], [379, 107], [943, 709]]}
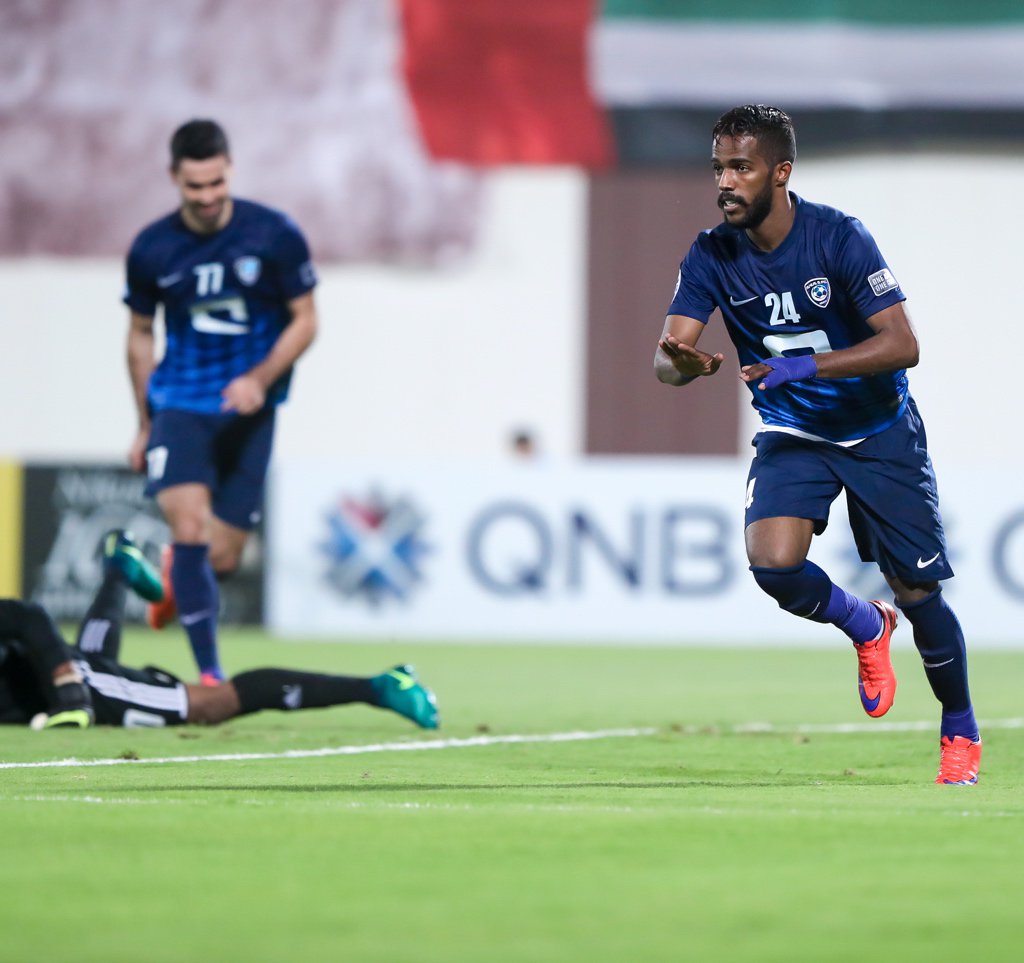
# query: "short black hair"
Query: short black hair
{"points": [[773, 129], [198, 140]]}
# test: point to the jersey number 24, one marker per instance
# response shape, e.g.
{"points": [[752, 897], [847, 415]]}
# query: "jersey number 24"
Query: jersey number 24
{"points": [[783, 309]]}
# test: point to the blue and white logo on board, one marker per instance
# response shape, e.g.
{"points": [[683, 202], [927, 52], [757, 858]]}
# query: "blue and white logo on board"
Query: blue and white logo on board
{"points": [[374, 548], [248, 269], [819, 291]]}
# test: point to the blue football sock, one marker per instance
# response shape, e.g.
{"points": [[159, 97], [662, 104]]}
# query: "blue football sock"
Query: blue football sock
{"points": [[940, 643], [960, 724], [806, 590], [198, 598], [860, 620]]}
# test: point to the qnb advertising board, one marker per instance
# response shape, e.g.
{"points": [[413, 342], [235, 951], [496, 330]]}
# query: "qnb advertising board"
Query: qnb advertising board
{"points": [[622, 550]]}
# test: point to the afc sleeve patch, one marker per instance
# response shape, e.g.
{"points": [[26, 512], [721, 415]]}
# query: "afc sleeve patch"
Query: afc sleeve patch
{"points": [[882, 281]]}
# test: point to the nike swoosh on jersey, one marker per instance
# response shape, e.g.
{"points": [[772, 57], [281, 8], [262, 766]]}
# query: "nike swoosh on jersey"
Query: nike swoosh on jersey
{"points": [[736, 303], [168, 280], [923, 564]]}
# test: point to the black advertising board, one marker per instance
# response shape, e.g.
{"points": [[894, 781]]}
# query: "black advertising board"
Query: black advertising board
{"points": [[67, 511]]}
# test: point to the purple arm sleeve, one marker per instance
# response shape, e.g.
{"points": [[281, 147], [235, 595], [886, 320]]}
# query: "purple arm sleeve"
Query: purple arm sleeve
{"points": [[789, 369]]}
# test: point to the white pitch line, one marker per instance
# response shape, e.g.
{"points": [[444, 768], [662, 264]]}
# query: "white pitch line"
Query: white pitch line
{"points": [[749, 728], [92, 800], [467, 743], [844, 728]]}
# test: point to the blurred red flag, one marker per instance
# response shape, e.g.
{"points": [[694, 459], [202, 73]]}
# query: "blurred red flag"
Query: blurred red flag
{"points": [[504, 81]]}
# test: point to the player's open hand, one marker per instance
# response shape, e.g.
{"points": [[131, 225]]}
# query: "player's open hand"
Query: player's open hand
{"points": [[137, 452], [752, 373], [689, 361], [244, 395]]}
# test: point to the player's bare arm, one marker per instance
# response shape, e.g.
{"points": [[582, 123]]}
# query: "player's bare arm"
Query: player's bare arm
{"points": [[678, 360], [141, 361], [893, 346], [247, 393]]}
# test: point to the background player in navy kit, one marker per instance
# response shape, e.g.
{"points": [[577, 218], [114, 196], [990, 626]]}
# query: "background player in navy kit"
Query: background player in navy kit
{"points": [[823, 339], [236, 283]]}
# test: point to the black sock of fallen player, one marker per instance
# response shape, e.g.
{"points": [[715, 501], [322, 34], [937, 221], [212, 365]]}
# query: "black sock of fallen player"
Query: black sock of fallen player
{"points": [[100, 630], [289, 689]]}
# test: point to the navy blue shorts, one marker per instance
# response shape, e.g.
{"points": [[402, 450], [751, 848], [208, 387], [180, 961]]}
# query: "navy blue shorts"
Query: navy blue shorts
{"points": [[229, 454], [891, 494]]}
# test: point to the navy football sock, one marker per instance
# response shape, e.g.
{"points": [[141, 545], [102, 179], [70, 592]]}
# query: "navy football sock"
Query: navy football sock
{"points": [[807, 591], [860, 620], [940, 643], [960, 724], [195, 590]]}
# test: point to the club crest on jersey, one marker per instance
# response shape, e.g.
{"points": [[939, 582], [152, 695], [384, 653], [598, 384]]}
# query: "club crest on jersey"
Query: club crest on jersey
{"points": [[248, 269], [819, 291]]}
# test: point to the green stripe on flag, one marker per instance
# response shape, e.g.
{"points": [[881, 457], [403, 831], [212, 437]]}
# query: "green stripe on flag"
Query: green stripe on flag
{"points": [[879, 13]]}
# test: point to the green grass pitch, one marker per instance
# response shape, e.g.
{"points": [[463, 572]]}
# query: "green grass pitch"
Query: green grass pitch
{"points": [[700, 840]]}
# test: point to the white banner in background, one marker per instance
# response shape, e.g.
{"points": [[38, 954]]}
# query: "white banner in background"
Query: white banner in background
{"points": [[628, 550]]}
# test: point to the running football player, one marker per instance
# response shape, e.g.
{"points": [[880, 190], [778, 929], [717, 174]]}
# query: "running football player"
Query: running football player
{"points": [[824, 339]]}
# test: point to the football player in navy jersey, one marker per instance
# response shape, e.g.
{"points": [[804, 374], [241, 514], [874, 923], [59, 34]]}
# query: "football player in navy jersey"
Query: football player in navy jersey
{"points": [[824, 340], [235, 283]]}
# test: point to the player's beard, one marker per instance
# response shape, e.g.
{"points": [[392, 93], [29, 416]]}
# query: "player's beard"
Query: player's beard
{"points": [[756, 211], [208, 220]]}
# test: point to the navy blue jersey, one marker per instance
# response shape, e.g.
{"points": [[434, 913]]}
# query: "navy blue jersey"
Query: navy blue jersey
{"points": [[225, 300], [812, 294]]}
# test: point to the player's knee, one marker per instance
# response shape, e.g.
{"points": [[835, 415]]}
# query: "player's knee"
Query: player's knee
{"points": [[227, 543], [774, 556], [187, 514], [211, 705], [190, 530], [790, 587], [224, 562], [910, 594]]}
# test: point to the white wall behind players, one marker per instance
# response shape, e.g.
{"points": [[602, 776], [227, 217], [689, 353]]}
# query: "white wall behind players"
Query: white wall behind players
{"points": [[446, 362], [442, 362]]}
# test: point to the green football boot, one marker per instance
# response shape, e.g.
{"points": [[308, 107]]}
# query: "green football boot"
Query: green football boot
{"points": [[399, 690], [67, 719], [121, 554], [71, 708]]}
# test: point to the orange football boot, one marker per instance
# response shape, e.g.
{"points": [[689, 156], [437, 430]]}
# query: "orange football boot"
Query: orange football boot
{"points": [[158, 614], [876, 679], [959, 761]]}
